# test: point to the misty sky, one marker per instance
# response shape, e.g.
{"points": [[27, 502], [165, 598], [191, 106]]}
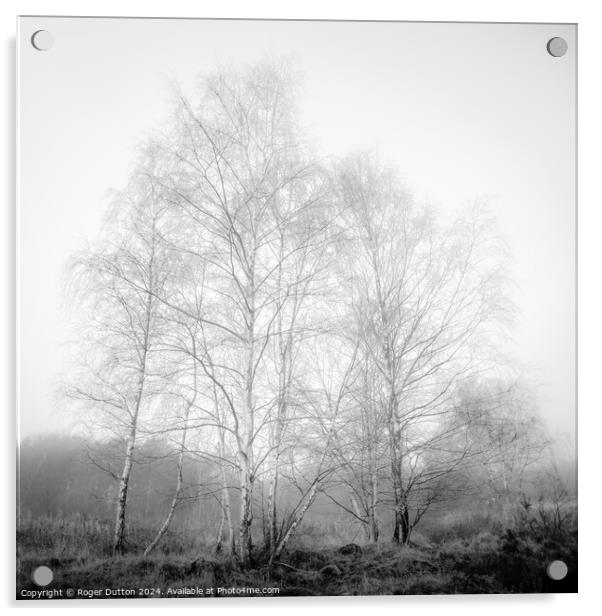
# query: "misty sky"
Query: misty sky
{"points": [[463, 111]]}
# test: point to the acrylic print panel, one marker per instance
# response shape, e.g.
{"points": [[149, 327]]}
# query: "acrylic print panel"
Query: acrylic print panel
{"points": [[296, 308]]}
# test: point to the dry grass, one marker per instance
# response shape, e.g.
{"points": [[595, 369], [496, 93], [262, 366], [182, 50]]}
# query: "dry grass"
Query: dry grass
{"points": [[512, 559]]}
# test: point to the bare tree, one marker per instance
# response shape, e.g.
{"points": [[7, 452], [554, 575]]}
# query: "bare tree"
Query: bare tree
{"points": [[423, 294], [248, 199], [506, 436], [117, 282]]}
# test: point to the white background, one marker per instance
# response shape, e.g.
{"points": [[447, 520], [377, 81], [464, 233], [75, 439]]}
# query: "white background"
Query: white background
{"points": [[590, 103]]}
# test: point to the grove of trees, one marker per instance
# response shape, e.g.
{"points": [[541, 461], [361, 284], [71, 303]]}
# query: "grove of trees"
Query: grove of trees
{"points": [[295, 326]]}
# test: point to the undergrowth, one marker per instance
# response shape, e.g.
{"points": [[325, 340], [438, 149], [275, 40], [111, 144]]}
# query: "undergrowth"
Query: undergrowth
{"points": [[498, 557]]}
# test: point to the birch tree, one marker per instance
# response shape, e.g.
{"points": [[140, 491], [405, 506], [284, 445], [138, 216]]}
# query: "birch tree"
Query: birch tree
{"points": [[117, 282], [239, 178], [424, 295]]}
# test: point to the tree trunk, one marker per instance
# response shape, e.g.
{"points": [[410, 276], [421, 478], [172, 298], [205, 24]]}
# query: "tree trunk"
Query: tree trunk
{"points": [[119, 540], [401, 516], [272, 537], [227, 509], [246, 515], [373, 531], [180, 466], [373, 520], [174, 501], [153, 544], [401, 519], [293, 527], [219, 540], [124, 483], [245, 451], [229, 522], [401, 531]]}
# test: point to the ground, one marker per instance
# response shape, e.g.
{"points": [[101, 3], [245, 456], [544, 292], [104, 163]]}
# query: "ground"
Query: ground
{"points": [[510, 560]]}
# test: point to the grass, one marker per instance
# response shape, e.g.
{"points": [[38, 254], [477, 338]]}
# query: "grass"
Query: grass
{"points": [[496, 558]]}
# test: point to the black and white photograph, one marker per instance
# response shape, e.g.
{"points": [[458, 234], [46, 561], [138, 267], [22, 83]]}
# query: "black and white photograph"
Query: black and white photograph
{"points": [[296, 308]]}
